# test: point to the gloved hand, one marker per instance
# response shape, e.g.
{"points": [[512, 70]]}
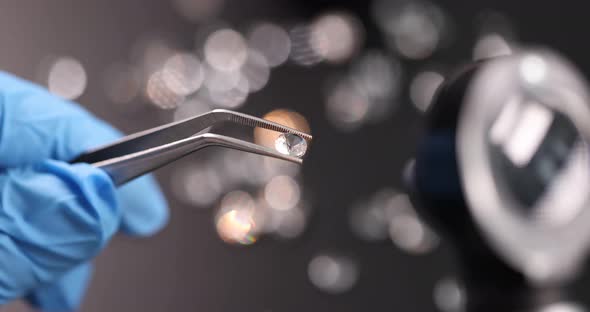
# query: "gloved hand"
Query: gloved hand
{"points": [[54, 216]]}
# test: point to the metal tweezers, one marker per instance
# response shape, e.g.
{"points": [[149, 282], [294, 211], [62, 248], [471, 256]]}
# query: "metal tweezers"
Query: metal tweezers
{"points": [[148, 150]]}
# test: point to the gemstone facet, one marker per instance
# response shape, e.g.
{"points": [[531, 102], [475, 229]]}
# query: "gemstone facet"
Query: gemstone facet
{"points": [[291, 144]]}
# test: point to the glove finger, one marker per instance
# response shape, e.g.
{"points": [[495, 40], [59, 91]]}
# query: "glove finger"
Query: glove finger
{"points": [[65, 294], [144, 207], [53, 217], [36, 125]]}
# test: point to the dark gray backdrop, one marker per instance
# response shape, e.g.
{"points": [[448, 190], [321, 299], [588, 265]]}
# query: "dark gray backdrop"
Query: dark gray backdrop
{"points": [[186, 267]]}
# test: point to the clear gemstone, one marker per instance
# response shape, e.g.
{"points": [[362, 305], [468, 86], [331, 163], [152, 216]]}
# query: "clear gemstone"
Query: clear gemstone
{"points": [[291, 144]]}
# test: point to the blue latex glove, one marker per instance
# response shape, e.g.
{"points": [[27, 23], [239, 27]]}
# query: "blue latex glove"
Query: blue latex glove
{"points": [[55, 217]]}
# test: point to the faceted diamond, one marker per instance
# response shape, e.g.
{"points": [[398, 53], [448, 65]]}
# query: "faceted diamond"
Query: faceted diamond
{"points": [[291, 144]]}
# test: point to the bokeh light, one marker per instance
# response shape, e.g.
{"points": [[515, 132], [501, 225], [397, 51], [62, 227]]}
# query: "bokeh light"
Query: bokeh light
{"points": [[203, 32], [235, 219], [288, 224], [449, 296], [271, 41], [233, 165], [182, 73], [256, 71], [122, 83], [238, 168], [193, 106], [235, 226], [409, 234], [423, 87], [334, 274], [279, 167], [282, 193], [368, 93], [368, 219], [389, 213], [259, 170], [151, 52], [67, 78], [336, 37], [379, 77], [302, 48], [231, 98], [226, 50], [247, 168], [377, 74], [197, 185], [284, 224], [220, 81], [159, 94], [406, 230], [414, 28], [347, 107]]}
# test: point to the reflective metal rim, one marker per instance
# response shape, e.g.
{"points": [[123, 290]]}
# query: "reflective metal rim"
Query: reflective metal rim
{"points": [[542, 253]]}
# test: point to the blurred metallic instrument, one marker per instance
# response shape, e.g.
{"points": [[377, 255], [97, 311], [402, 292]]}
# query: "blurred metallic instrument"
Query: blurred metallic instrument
{"points": [[504, 172], [148, 150]]}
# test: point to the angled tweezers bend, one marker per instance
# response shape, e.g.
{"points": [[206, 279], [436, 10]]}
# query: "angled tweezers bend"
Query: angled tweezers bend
{"points": [[148, 150]]}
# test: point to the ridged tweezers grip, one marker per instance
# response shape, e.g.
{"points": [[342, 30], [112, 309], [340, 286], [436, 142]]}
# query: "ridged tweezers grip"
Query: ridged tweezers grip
{"points": [[253, 122]]}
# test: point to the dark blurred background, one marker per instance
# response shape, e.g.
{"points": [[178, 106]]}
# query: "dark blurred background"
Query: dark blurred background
{"points": [[251, 234]]}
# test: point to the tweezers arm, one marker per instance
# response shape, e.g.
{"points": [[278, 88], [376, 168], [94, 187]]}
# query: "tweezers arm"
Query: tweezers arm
{"points": [[150, 138], [172, 132], [125, 168]]}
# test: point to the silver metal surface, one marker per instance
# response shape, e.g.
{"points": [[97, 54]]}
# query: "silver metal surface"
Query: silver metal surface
{"points": [[145, 151], [543, 252], [128, 167]]}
